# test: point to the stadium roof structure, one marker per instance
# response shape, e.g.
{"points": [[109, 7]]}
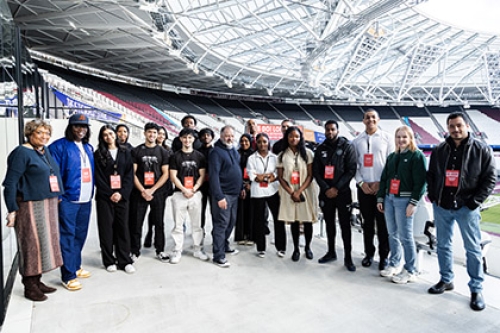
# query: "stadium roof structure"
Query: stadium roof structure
{"points": [[346, 51]]}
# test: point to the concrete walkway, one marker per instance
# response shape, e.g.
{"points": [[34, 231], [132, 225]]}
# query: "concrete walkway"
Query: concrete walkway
{"points": [[255, 295]]}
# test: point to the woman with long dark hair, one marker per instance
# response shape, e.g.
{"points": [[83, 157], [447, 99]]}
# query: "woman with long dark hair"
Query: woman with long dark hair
{"points": [[114, 180], [243, 234], [32, 184], [298, 202], [261, 167], [123, 133]]}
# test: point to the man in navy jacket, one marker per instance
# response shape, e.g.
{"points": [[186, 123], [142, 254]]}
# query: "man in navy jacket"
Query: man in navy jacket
{"points": [[225, 187]]}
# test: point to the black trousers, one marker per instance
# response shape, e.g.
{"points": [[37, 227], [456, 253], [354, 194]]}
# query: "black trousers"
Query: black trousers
{"points": [[138, 208], [370, 214], [259, 208], [341, 204], [243, 230], [112, 223], [205, 197]]}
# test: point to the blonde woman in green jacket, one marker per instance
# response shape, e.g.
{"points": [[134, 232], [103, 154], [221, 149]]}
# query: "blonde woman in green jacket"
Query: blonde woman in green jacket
{"points": [[402, 184]]}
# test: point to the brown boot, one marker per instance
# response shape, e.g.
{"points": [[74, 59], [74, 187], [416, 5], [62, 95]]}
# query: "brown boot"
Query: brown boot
{"points": [[44, 288], [31, 290]]}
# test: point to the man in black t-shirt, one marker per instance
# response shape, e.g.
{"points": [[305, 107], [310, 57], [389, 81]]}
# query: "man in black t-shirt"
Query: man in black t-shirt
{"points": [[187, 122], [187, 171], [150, 174]]}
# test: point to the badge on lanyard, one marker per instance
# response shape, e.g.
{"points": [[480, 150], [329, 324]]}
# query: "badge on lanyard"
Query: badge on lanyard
{"points": [[116, 182], [451, 179], [149, 178], [394, 189], [368, 160], [245, 174], [329, 171], [295, 178], [189, 182], [54, 184], [86, 177]]}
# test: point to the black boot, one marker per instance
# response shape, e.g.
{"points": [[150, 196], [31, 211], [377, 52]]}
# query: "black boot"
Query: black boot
{"points": [[31, 290], [43, 287]]}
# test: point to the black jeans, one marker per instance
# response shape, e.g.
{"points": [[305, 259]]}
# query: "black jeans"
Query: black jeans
{"points": [[370, 214], [259, 209], [138, 208], [341, 204]]}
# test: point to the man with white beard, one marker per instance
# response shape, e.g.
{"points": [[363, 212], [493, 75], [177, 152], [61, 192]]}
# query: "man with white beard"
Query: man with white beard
{"points": [[225, 186]]}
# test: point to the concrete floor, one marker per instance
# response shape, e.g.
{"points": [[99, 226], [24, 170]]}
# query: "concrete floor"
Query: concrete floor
{"points": [[254, 295]]}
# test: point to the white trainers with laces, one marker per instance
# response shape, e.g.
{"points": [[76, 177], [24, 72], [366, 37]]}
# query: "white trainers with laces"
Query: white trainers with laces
{"points": [[200, 255], [130, 269], [404, 277], [111, 268], [390, 271], [176, 257]]}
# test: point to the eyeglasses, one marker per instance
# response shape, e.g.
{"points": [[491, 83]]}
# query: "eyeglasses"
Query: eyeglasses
{"points": [[80, 126], [43, 133]]}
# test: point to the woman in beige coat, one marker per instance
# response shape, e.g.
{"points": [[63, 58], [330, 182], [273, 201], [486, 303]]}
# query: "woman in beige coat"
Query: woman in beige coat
{"points": [[298, 202]]}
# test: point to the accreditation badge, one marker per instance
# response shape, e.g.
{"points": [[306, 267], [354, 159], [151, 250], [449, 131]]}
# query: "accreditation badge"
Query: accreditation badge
{"points": [[116, 182], [394, 187], [189, 182], [452, 177], [149, 178], [54, 184], [295, 178], [86, 175], [368, 160], [329, 171]]}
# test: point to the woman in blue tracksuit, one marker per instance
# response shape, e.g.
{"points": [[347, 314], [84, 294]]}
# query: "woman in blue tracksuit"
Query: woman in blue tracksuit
{"points": [[75, 158]]}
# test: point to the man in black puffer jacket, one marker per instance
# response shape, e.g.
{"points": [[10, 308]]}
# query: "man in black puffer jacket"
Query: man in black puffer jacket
{"points": [[333, 168], [461, 176]]}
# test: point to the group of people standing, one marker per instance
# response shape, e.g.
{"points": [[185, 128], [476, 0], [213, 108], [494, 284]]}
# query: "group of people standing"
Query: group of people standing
{"points": [[47, 185], [391, 179]]}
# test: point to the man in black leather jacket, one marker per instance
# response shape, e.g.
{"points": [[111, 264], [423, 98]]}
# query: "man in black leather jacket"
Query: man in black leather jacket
{"points": [[333, 168], [461, 176]]}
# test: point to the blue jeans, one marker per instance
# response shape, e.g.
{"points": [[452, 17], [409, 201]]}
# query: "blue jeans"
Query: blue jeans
{"points": [[73, 228], [400, 229], [468, 222], [223, 221]]}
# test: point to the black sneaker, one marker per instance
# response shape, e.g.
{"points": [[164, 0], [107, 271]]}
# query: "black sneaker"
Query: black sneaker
{"points": [[222, 263], [232, 252], [163, 257]]}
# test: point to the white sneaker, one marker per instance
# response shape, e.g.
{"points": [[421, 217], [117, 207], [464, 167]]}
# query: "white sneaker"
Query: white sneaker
{"points": [[390, 271], [404, 277], [111, 268], [134, 258], [261, 254], [130, 269], [176, 257], [200, 255], [163, 257], [280, 254]]}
